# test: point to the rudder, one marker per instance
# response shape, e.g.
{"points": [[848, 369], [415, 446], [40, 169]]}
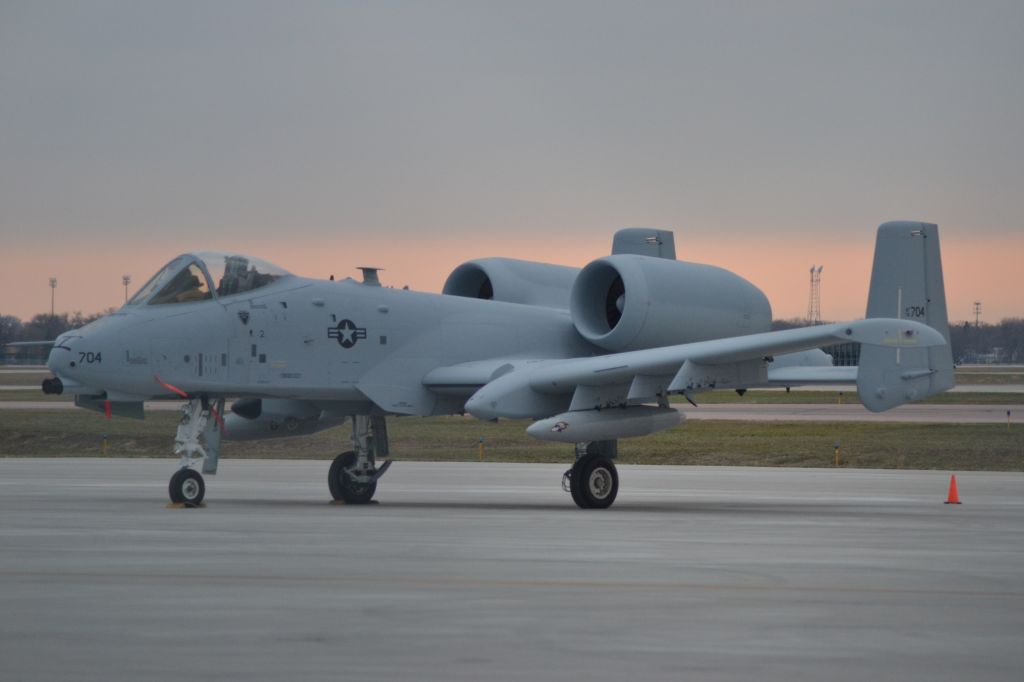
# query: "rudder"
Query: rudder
{"points": [[906, 283]]}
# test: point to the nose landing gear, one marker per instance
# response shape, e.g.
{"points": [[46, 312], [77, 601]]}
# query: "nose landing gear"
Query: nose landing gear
{"points": [[187, 487], [194, 430]]}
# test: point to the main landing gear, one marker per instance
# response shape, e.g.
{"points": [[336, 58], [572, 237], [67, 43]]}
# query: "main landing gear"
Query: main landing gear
{"points": [[195, 429], [353, 475], [593, 480]]}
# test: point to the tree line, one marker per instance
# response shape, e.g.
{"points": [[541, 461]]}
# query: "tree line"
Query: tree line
{"points": [[1002, 342], [42, 327]]}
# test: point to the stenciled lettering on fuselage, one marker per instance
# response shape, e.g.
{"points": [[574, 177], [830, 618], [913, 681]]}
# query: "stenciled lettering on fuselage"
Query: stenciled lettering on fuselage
{"points": [[913, 311], [347, 333]]}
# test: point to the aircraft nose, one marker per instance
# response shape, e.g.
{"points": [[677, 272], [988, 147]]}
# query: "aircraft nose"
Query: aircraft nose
{"points": [[88, 361], [61, 356], [60, 361], [77, 353]]}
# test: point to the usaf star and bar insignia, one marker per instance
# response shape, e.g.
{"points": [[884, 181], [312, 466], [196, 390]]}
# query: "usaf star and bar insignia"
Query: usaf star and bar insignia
{"points": [[347, 333]]}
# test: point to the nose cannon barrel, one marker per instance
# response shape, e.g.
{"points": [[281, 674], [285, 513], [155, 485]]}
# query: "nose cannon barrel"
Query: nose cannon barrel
{"points": [[53, 386]]}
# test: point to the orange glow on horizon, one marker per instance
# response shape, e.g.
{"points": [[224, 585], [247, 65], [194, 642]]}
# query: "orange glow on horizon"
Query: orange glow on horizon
{"points": [[777, 264]]}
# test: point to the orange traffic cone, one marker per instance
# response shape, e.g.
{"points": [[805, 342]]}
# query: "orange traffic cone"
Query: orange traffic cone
{"points": [[954, 496]]}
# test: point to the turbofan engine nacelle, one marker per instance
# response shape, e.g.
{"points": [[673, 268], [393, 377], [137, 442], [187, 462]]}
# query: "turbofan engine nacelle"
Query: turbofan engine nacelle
{"points": [[630, 302], [255, 419], [513, 281]]}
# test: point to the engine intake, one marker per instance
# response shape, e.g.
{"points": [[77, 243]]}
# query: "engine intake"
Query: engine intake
{"points": [[629, 302], [512, 281]]}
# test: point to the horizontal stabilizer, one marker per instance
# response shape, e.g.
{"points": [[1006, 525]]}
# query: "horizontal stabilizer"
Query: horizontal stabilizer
{"points": [[29, 344]]}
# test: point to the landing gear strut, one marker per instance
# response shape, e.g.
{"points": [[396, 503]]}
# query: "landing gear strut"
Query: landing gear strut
{"points": [[593, 480], [353, 475], [194, 430]]}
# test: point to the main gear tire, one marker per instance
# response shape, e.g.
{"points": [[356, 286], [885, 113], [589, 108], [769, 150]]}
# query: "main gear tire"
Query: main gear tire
{"points": [[343, 487], [594, 482]]}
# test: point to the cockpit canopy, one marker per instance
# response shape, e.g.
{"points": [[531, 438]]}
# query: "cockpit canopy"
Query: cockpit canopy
{"points": [[203, 276]]}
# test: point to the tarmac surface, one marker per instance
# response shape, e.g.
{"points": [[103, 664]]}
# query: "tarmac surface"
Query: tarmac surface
{"points": [[935, 414], [487, 571]]}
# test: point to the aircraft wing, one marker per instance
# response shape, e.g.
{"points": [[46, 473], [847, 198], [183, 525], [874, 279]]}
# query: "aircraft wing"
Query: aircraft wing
{"points": [[541, 388]]}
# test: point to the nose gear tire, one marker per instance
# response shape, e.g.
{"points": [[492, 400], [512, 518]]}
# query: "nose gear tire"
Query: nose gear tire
{"points": [[187, 487]]}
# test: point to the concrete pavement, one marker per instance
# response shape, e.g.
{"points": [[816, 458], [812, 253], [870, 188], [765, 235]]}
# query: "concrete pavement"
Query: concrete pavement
{"points": [[488, 571]]}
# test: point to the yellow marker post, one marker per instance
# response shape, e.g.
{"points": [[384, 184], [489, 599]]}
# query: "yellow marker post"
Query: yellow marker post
{"points": [[836, 446], [103, 445], [1007, 420], [480, 450], [840, 397]]}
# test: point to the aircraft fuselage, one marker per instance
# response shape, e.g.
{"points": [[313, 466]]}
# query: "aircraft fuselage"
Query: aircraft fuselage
{"points": [[309, 339]]}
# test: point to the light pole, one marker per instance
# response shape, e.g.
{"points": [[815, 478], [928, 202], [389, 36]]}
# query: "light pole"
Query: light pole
{"points": [[126, 280], [53, 291]]}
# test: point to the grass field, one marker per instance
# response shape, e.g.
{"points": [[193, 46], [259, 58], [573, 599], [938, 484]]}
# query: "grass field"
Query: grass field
{"points": [[989, 377], [806, 444], [34, 396], [912, 446], [33, 379]]}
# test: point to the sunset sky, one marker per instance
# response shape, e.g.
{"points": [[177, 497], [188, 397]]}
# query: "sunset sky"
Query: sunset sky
{"points": [[769, 136]]}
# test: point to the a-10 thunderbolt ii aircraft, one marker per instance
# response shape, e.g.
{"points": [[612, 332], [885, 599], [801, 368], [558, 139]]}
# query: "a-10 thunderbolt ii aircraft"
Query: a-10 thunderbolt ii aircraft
{"points": [[592, 354]]}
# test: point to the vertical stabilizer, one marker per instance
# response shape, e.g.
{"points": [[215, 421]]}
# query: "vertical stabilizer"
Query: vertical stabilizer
{"points": [[906, 283], [645, 241]]}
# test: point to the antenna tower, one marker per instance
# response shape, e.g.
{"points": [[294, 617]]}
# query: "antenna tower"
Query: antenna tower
{"points": [[814, 299], [977, 314]]}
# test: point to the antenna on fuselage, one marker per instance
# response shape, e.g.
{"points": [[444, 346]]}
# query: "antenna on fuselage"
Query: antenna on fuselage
{"points": [[370, 277]]}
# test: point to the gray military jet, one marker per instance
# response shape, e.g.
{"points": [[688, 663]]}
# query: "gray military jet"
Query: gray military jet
{"points": [[592, 354]]}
